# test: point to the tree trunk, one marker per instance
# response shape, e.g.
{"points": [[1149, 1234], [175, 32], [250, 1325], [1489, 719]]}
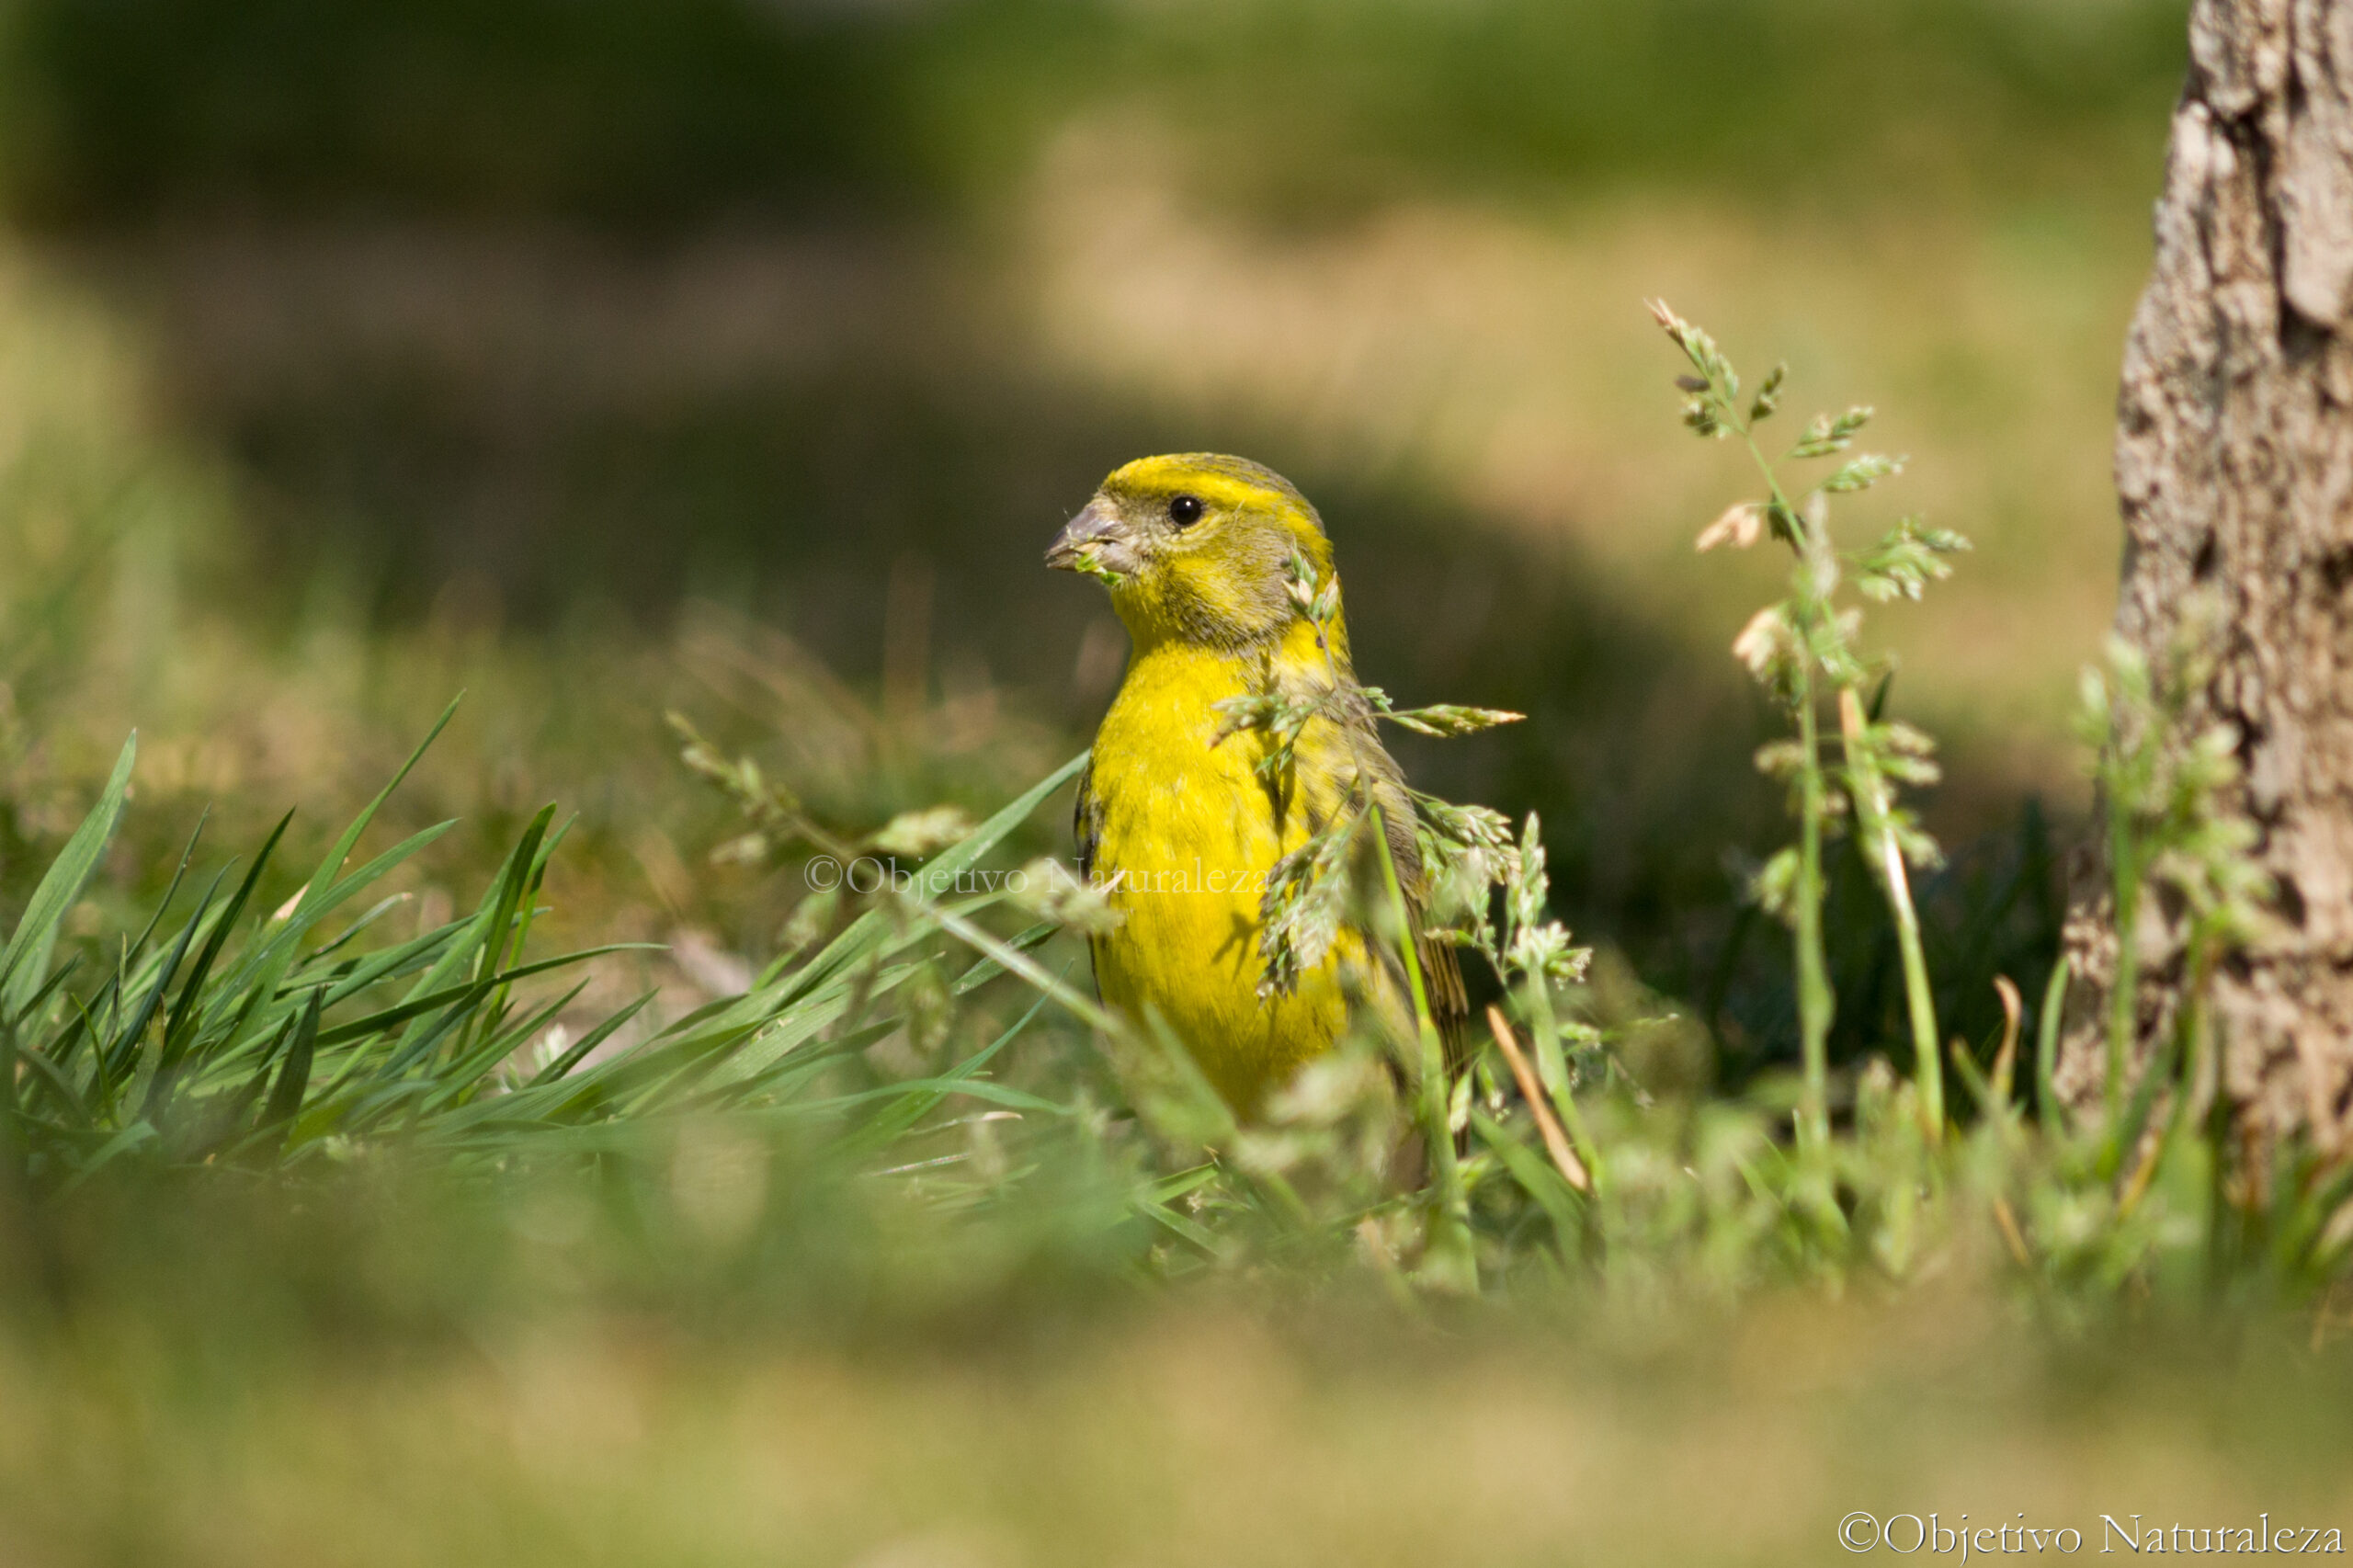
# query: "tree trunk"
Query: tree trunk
{"points": [[2234, 466]]}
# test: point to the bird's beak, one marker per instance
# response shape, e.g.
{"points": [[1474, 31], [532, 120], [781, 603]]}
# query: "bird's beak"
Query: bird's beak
{"points": [[1095, 542]]}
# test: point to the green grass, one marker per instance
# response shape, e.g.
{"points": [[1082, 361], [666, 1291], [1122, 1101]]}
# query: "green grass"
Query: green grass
{"points": [[884, 1261], [216, 1033], [562, 353], [220, 1032]]}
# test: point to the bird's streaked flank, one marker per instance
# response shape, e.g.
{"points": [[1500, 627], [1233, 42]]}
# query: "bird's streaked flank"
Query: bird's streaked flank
{"points": [[1224, 576]]}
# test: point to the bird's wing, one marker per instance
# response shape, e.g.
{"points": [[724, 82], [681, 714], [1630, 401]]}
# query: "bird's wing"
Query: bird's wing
{"points": [[1441, 964], [1450, 1003], [1087, 822], [1086, 836]]}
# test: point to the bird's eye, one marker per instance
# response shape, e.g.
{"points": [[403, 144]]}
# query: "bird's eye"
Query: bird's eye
{"points": [[1185, 511]]}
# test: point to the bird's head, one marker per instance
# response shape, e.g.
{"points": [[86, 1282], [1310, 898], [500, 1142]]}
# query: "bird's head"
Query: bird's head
{"points": [[1197, 547]]}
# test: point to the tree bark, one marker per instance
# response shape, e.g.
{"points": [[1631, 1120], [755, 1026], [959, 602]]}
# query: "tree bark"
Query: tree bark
{"points": [[2235, 467]]}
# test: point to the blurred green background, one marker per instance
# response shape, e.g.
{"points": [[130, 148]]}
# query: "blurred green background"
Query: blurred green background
{"points": [[598, 356], [356, 354]]}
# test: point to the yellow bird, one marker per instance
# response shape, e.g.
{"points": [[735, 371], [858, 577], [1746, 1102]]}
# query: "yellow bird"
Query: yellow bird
{"points": [[1215, 565]]}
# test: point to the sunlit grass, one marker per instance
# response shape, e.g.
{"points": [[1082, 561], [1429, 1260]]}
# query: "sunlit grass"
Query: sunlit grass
{"points": [[849, 1247]]}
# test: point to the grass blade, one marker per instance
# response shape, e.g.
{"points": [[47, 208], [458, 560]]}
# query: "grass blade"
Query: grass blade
{"points": [[24, 965]]}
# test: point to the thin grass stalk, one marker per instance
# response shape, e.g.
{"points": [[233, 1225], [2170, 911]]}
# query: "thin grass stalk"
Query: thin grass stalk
{"points": [[1556, 1142], [1815, 1004], [2123, 853], [2005, 1059], [2312, 1221], [1872, 812], [1553, 1071], [2191, 1040], [1448, 1260], [2123, 1135], [2200, 1075], [2046, 1046], [1904, 561]]}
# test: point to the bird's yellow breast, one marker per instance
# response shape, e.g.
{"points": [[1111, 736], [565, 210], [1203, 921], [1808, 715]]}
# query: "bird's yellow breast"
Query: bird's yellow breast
{"points": [[1187, 835]]}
